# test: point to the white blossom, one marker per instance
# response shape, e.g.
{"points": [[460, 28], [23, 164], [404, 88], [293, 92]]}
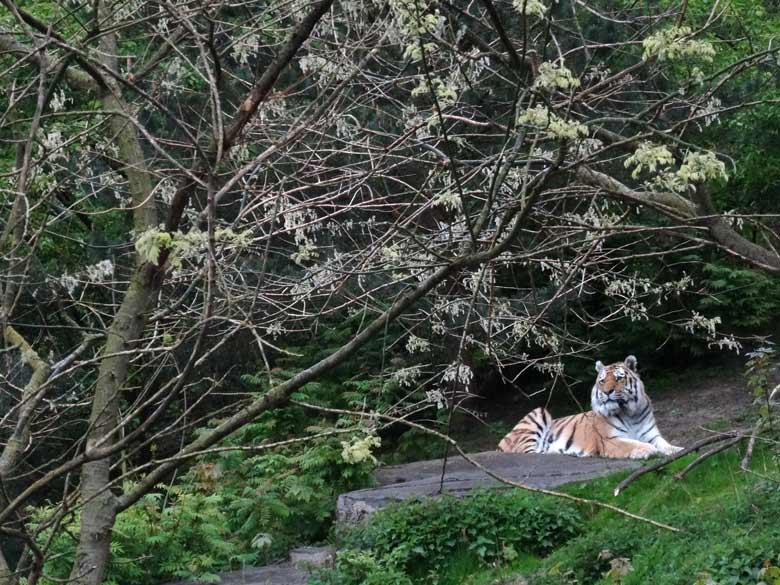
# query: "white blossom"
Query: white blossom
{"points": [[447, 199], [556, 76], [530, 7], [359, 450], [673, 43], [649, 156], [275, 329], [458, 372], [100, 271], [436, 397], [553, 124], [69, 282], [407, 376], [416, 344], [53, 143], [245, 47], [701, 166], [58, 101], [699, 321]]}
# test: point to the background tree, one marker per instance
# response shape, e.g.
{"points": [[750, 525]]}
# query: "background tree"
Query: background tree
{"points": [[196, 190]]}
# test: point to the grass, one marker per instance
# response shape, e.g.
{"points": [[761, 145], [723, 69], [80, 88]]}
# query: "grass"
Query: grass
{"points": [[467, 570], [730, 519]]}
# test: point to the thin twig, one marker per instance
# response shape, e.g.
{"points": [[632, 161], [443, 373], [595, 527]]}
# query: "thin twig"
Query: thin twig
{"points": [[704, 456], [751, 443], [666, 460]]}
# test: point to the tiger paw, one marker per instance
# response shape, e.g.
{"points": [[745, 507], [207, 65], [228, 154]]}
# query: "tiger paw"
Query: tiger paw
{"points": [[667, 448], [643, 452]]}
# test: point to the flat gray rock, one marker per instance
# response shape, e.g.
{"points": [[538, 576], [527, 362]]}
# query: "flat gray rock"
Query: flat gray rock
{"points": [[423, 478], [281, 574]]}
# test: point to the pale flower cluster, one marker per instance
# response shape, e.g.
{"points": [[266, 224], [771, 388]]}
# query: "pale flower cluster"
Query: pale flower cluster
{"points": [[445, 93], [416, 344], [447, 199], [552, 369], [244, 48], [52, 144], [415, 19], [69, 283], [530, 7], [407, 376], [698, 321], [554, 125], [58, 101], [275, 329], [458, 372], [324, 68], [100, 271], [672, 44], [150, 244], [359, 450], [523, 329], [701, 166], [436, 397], [556, 76], [649, 156], [710, 111]]}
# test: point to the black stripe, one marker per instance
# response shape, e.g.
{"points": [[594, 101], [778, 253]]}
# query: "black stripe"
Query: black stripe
{"points": [[615, 426], [650, 430], [571, 437], [645, 413], [537, 424]]}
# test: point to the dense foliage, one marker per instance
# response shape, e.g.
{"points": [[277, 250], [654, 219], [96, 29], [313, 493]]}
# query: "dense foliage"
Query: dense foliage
{"points": [[417, 540]]}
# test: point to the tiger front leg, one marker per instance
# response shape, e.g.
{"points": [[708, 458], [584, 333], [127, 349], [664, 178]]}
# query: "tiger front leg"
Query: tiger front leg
{"points": [[620, 448], [665, 446]]}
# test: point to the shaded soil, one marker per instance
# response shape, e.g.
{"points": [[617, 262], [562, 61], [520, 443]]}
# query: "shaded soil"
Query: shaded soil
{"points": [[690, 412]]}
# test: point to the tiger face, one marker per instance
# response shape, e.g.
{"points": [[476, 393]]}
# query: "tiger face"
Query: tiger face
{"points": [[618, 388]]}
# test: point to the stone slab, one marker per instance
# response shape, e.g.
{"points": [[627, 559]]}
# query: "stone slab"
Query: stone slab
{"points": [[312, 557], [423, 478], [281, 574]]}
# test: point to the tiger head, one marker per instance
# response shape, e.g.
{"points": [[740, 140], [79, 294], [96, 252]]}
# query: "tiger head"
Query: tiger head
{"points": [[618, 388]]}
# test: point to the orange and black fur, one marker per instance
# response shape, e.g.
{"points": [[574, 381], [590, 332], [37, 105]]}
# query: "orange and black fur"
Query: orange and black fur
{"points": [[621, 423]]}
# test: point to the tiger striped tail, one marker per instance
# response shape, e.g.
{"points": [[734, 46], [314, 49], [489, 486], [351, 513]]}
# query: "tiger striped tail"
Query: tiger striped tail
{"points": [[533, 434]]}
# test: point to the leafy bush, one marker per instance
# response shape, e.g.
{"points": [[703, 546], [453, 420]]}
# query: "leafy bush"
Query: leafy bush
{"points": [[419, 538], [285, 498], [170, 534], [743, 298], [356, 567]]}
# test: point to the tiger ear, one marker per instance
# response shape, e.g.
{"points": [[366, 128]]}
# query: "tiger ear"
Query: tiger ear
{"points": [[630, 362], [599, 367]]}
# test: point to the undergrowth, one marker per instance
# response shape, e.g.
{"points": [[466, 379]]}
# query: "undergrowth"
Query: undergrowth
{"points": [[431, 541], [729, 521]]}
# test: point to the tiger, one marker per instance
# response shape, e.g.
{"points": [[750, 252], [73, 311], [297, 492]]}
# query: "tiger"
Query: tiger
{"points": [[621, 424]]}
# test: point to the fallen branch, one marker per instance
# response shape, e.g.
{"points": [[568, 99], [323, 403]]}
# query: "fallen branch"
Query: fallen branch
{"points": [[722, 447], [751, 443], [666, 460]]}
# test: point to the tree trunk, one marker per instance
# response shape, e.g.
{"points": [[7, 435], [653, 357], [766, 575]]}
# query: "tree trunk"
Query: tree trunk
{"points": [[99, 508]]}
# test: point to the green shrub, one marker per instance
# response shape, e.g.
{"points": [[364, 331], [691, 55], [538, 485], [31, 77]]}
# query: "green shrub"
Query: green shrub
{"points": [[288, 497], [154, 540], [420, 538], [355, 567]]}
